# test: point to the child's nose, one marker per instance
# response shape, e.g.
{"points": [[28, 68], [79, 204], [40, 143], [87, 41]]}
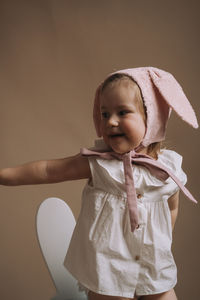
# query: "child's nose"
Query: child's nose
{"points": [[113, 121]]}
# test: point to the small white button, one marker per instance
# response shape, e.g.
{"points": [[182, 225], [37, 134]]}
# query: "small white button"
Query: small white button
{"points": [[139, 196], [137, 257]]}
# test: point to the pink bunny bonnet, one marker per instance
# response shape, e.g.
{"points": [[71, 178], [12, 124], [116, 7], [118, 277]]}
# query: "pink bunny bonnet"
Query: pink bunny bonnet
{"points": [[161, 93]]}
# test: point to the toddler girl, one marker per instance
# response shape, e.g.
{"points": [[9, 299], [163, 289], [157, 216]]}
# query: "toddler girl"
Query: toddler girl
{"points": [[121, 245]]}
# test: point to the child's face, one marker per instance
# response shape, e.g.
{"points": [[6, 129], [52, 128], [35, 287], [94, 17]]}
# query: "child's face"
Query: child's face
{"points": [[122, 123]]}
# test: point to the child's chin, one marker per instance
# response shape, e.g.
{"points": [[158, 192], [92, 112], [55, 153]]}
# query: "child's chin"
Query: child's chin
{"points": [[118, 147], [121, 150]]}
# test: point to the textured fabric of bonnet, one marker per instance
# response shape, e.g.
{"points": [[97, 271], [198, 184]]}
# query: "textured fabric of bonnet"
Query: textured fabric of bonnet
{"points": [[161, 93]]}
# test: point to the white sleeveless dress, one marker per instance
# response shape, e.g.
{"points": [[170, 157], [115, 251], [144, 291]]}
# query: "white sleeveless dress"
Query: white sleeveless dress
{"points": [[104, 255]]}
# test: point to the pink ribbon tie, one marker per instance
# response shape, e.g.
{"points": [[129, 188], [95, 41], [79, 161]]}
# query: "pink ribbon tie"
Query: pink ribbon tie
{"points": [[156, 169]]}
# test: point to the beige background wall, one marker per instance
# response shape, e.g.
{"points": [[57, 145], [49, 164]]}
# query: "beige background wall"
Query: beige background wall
{"points": [[52, 56]]}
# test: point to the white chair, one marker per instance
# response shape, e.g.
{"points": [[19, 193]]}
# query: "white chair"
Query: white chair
{"points": [[55, 224]]}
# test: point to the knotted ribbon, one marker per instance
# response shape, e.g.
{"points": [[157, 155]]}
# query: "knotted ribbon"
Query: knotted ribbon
{"points": [[129, 159]]}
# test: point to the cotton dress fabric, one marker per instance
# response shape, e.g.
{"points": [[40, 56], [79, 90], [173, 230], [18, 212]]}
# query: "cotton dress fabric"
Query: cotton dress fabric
{"points": [[104, 255]]}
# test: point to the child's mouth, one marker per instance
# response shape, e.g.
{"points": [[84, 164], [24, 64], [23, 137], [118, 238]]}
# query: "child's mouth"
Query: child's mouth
{"points": [[116, 135]]}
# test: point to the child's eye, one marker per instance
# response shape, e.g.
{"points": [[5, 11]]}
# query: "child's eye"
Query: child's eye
{"points": [[123, 112], [105, 115]]}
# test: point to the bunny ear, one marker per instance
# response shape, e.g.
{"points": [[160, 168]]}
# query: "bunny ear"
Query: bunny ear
{"points": [[173, 94]]}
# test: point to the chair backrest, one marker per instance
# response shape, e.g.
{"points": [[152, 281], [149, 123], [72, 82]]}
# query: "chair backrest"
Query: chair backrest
{"points": [[55, 224]]}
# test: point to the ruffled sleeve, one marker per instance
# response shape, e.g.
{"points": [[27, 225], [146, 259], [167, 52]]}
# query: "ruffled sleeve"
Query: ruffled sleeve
{"points": [[173, 161]]}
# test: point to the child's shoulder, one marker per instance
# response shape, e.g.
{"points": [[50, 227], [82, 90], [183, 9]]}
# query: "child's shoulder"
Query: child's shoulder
{"points": [[171, 159], [169, 155]]}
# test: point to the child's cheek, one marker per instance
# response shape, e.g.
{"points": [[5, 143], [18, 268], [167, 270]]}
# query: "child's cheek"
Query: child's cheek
{"points": [[102, 127]]}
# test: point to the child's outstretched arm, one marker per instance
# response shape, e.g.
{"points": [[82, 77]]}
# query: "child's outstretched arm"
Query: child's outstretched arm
{"points": [[173, 203], [46, 171]]}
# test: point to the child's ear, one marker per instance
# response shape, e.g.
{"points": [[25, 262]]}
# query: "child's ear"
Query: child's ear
{"points": [[173, 95]]}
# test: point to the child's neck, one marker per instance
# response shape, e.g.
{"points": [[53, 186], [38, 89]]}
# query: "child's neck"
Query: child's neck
{"points": [[152, 153]]}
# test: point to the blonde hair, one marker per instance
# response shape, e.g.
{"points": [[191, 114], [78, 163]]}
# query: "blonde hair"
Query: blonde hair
{"points": [[154, 148]]}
